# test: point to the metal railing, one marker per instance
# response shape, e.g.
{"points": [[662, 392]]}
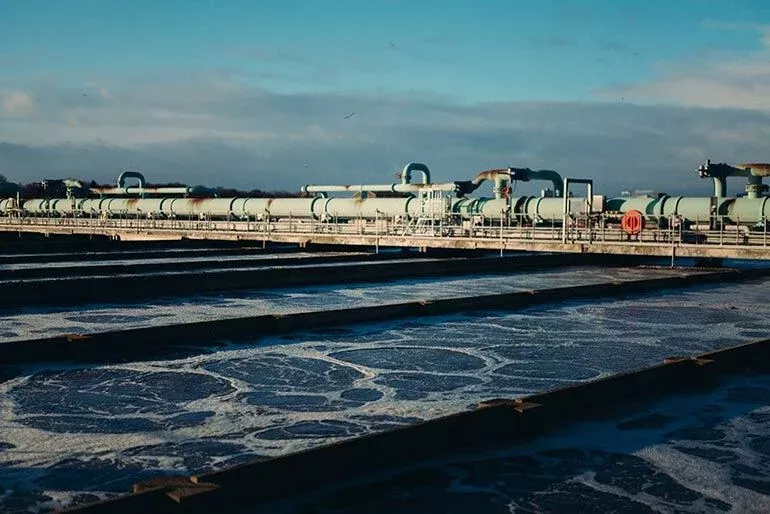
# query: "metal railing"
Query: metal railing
{"points": [[582, 229]]}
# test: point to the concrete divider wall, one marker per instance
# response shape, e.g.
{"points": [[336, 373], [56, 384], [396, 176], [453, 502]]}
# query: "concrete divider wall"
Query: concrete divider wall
{"points": [[130, 253], [68, 291], [182, 265]]}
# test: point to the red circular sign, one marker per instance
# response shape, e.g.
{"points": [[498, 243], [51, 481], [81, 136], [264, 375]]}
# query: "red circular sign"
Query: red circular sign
{"points": [[632, 222]]}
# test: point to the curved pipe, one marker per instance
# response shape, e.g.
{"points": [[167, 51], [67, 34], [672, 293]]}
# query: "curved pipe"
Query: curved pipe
{"points": [[719, 173], [406, 173], [500, 176], [131, 174], [549, 175]]}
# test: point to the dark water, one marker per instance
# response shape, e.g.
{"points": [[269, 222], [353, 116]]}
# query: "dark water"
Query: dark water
{"points": [[694, 453]]}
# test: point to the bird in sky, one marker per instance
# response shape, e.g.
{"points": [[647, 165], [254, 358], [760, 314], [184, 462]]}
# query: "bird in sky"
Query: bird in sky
{"points": [[349, 116]]}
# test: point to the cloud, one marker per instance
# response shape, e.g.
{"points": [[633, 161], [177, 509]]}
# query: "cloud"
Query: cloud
{"points": [[222, 131], [16, 104], [708, 81], [99, 89]]}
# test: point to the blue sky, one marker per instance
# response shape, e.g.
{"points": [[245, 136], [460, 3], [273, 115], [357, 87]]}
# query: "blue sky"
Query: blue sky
{"points": [[471, 50], [119, 75]]}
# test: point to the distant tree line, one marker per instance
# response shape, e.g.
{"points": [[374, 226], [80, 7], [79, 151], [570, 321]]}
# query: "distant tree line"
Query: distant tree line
{"points": [[226, 192], [36, 189]]}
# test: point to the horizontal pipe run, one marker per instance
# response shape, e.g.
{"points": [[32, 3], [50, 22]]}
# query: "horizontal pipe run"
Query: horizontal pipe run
{"points": [[748, 211], [121, 191], [138, 342], [70, 291], [375, 188], [492, 424]]}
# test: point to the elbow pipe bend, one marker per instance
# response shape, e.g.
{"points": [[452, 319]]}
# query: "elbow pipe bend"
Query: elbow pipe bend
{"points": [[130, 174], [406, 174]]}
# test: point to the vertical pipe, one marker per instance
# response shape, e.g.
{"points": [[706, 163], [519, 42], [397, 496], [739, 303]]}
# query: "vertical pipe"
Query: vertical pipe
{"points": [[720, 187], [754, 186], [565, 208]]}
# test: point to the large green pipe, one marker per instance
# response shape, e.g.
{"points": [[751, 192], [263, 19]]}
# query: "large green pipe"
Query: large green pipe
{"points": [[544, 209], [370, 208], [744, 211]]}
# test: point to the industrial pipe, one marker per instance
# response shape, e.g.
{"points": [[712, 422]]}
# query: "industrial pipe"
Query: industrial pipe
{"points": [[500, 178], [390, 188], [503, 176], [141, 191], [406, 173], [746, 211], [720, 187], [526, 174], [130, 174], [719, 173], [755, 188], [549, 175]]}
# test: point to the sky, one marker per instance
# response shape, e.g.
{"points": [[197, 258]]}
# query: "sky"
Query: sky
{"points": [[275, 94]]}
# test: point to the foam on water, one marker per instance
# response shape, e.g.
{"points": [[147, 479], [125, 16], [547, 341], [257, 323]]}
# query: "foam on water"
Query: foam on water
{"points": [[36, 322], [79, 429]]}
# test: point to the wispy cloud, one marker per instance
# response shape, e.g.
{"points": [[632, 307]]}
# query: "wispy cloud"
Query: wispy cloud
{"points": [[741, 82], [223, 131], [16, 104]]}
